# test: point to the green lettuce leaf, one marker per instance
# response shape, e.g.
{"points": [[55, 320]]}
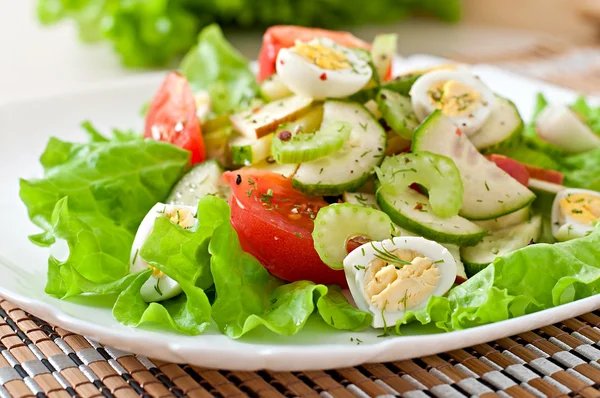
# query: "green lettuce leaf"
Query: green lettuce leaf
{"points": [[590, 114], [248, 296], [93, 197], [531, 279], [216, 66], [182, 255]]}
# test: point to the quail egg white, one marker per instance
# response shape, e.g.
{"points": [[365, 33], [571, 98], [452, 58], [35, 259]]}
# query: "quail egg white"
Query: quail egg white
{"points": [[322, 69], [159, 286], [462, 97], [397, 275], [575, 213]]}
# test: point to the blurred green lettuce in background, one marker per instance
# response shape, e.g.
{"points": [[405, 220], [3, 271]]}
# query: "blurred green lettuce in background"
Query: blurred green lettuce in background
{"points": [[149, 33]]}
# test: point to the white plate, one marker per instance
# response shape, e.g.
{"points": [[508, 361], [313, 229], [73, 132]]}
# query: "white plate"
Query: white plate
{"points": [[26, 125]]}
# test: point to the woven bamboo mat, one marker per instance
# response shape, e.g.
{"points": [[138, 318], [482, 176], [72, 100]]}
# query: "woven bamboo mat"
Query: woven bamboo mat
{"points": [[562, 360], [40, 360]]}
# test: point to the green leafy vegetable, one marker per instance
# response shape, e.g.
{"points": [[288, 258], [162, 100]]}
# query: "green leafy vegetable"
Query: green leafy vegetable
{"points": [[153, 32], [214, 65], [182, 255], [531, 279], [248, 296], [93, 197]]}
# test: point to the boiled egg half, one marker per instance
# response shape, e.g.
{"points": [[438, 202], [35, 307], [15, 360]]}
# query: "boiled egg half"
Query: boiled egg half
{"points": [[575, 213], [159, 286], [462, 97], [397, 275], [322, 69]]}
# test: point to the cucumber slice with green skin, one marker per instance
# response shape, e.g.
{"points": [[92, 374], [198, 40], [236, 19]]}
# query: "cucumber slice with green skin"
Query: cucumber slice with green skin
{"points": [[203, 179], [350, 167], [286, 170], [502, 129], [489, 192], [438, 174], [338, 223], [246, 151], [411, 210], [500, 243], [361, 199], [273, 89], [383, 51], [518, 217], [398, 113], [288, 147]]}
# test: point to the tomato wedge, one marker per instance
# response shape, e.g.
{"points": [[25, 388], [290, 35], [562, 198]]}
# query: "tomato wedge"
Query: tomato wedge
{"points": [[523, 172], [172, 117], [274, 223], [513, 168], [553, 176], [284, 36]]}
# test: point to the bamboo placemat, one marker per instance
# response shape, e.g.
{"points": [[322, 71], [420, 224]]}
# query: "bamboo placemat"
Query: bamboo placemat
{"points": [[562, 360]]}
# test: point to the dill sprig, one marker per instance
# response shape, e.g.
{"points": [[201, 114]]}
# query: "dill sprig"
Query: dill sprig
{"points": [[388, 256]]}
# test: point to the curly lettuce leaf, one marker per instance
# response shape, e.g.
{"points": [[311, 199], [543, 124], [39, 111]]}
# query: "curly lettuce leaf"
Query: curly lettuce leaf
{"points": [[248, 296], [187, 313], [93, 197], [182, 255], [531, 279], [214, 65]]}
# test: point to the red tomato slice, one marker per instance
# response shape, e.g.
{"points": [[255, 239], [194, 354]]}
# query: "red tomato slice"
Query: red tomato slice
{"points": [[274, 223], [172, 117], [553, 176], [284, 36], [513, 168]]}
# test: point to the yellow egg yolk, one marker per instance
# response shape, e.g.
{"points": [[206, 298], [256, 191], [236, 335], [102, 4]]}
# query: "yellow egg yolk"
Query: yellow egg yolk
{"points": [[453, 97], [322, 56], [582, 208], [398, 287], [434, 68]]}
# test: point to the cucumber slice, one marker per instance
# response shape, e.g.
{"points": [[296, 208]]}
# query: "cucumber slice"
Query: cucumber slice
{"points": [[361, 199], [273, 89], [217, 145], [518, 217], [203, 179], [501, 130], [288, 147], [337, 223], [500, 243], [246, 151], [350, 167], [398, 113], [405, 208], [412, 210], [258, 122], [436, 173], [383, 51], [488, 191], [286, 170]]}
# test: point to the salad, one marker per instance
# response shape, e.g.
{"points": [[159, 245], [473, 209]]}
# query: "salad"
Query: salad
{"points": [[324, 185]]}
